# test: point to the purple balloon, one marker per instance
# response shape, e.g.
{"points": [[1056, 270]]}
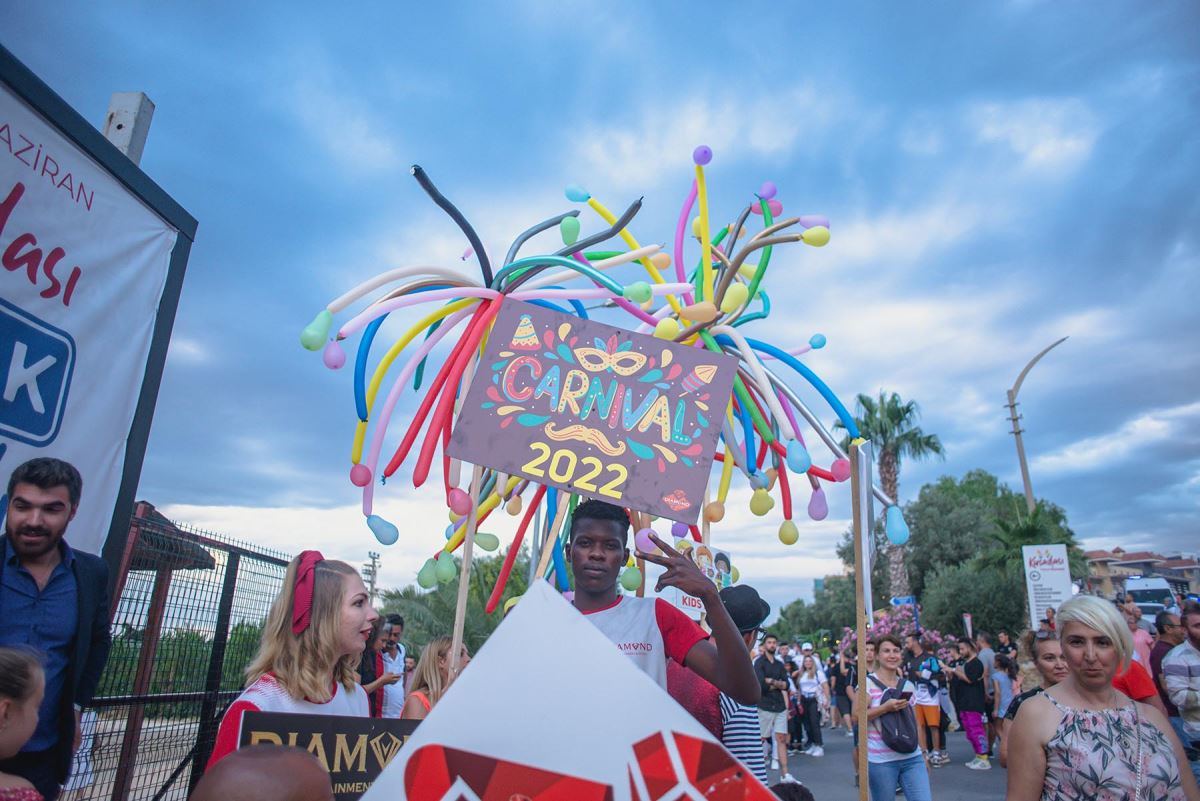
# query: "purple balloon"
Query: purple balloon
{"points": [[679, 530], [767, 190], [702, 155], [813, 220]]}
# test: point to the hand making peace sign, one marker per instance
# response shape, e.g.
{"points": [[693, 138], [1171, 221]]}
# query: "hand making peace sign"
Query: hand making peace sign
{"points": [[681, 571]]}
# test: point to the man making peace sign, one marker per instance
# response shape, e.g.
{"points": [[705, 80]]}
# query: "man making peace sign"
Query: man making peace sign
{"points": [[649, 630]]}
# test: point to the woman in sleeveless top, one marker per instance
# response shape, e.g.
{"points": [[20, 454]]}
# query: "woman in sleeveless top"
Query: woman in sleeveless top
{"points": [[1082, 739], [308, 655], [431, 678]]}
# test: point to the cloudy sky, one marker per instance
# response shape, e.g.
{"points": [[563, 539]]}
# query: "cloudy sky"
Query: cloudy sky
{"points": [[998, 175]]}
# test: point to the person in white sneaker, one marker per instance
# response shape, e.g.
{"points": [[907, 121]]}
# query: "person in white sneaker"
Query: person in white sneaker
{"points": [[925, 672], [811, 681], [892, 694]]}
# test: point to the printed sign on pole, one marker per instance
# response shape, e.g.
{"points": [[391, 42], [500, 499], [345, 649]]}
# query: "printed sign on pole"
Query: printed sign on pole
{"points": [[1047, 579], [94, 254], [596, 410]]}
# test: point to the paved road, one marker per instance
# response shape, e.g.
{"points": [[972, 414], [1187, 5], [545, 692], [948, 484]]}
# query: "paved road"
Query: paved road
{"points": [[831, 777]]}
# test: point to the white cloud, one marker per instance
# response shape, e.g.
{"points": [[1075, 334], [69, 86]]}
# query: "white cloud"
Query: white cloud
{"points": [[342, 124], [184, 350], [1105, 451], [904, 236], [660, 138], [1048, 136]]}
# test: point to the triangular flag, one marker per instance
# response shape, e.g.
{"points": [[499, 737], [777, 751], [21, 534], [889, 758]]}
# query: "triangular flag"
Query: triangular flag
{"points": [[522, 722]]}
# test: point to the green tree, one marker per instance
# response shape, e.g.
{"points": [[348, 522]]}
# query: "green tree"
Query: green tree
{"points": [[890, 423], [1046, 525], [430, 613], [995, 599]]}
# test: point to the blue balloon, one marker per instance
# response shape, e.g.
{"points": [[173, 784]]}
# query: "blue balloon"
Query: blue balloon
{"points": [[817, 341], [798, 460], [385, 532], [577, 193], [897, 529], [450, 529], [759, 480]]}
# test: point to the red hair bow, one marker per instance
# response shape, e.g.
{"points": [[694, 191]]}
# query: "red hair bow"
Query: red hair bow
{"points": [[303, 595]]}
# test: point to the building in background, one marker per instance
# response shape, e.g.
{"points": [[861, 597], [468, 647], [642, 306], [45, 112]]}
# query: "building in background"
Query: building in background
{"points": [[1109, 570]]}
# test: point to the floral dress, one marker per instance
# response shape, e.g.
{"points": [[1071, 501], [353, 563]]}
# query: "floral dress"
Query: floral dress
{"points": [[1094, 756]]}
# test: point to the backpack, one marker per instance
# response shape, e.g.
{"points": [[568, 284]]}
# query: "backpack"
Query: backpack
{"points": [[897, 729]]}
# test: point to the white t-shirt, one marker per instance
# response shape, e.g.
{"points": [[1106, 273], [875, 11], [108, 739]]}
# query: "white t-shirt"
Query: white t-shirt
{"points": [[649, 631], [810, 685], [393, 694]]}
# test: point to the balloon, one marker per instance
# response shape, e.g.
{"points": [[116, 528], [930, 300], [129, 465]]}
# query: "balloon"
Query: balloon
{"points": [[513, 507], [333, 355], [840, 469], [445, 569], [798, 460], [577, 193], [510, 603], [734, 575], [666, 328], [679, 530], [661, 260], [714, 512], [638, 291], [735, 297], [759, 480], [813, 220], [817, 341], [459, 501], [569, 596], [775, 207], [466, 254], [788, 533], [487, 541], [385, 532], [761, 502], [817, 236], [702, 312], [451, 530], [315, 334], [767, 190], [702, 155], [568, 227], [818, 507], [631, 579], [427, 576], [897, 529], [642, 541], [360, 475]]}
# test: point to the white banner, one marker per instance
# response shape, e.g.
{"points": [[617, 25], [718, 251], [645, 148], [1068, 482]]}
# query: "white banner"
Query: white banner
{"points": [[85, 263], [1047, 579]]}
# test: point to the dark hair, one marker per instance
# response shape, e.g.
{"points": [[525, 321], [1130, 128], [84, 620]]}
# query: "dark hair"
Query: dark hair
{"points": [[721, 556], [983, 635], [396, 620], [1163, 619], [18, 666], [46, 473], [1189, 609], [1009, 666], [791, 791], [967, 641], [891, 638], [599, 510], [770, 636]]}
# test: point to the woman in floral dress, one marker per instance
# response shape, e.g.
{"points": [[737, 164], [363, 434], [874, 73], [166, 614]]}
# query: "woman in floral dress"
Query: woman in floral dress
{"points": [[1082, 740]]}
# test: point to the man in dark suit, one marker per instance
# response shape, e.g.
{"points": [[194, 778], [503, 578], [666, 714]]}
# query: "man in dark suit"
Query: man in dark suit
{"points": [[54, 599]]}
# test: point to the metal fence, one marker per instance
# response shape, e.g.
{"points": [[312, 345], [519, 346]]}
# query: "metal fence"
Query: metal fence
{"points": [[186, 621]]}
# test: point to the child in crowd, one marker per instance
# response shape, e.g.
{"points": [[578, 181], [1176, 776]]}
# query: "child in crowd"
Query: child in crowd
{"points": [[310, 649], [22, 684]]}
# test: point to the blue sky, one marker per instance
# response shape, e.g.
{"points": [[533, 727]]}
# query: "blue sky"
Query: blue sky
{"points": [[998, 175]]}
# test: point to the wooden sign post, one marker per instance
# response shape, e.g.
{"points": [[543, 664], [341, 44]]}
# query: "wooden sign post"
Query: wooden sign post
{"points": [[860, 494]]}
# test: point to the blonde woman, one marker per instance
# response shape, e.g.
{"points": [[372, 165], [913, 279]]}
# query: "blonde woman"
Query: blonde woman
{"points": [[308, 657], [22, 684], [811, 683], [1082, 738], [432, 678]]}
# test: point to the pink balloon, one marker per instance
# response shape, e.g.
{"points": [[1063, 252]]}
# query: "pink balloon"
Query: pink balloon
{"points": [[643, 542], [818, 507], [459, 501], [840, 469], [360, 475], [333, 355]]}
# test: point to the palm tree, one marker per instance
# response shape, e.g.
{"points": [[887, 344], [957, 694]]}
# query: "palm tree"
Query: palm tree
{"points": [[890, 425], [1040, 527]]}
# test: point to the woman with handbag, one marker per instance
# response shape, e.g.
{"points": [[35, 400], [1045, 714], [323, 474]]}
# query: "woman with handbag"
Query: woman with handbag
{"points": [[894, 732]]}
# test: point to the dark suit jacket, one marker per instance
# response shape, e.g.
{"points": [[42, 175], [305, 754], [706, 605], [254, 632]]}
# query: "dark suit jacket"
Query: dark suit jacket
{"points": [[89, 651]]}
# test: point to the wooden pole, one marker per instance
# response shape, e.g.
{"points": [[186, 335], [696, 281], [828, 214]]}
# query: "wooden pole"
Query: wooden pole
{"points": [[464, 583], [860, 624]]}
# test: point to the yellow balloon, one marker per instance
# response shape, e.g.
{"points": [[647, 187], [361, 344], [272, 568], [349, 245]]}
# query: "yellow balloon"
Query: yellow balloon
{"points": [[817, 236], [788, 533], [761, 502], [630, 562], [667, 328], [702, 312], [513, 507], [696, 227], [735, 297], [510, 603], [734, 575], [714, 512], [455, 516], [857, 441]]}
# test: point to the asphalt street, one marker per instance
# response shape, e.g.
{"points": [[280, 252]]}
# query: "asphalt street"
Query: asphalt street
{"points": [[831, 777]]}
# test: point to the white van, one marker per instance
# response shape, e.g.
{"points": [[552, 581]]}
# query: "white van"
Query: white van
{"points": [[1150, 591]]}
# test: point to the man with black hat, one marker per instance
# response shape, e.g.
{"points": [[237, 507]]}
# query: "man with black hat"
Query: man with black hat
{"points": [[740, 732]]}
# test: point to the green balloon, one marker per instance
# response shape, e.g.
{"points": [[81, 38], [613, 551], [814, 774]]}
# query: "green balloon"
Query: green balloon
{"points": [[569, 228], [315, 334], [445, 569], [638, 292], [631, 579], [427, 577], [487, 541]]}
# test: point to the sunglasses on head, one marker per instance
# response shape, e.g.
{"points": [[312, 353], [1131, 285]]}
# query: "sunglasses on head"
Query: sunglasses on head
{"points": [[1045, 635]]}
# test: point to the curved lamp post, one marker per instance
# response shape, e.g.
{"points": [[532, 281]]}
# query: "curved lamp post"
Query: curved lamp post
{"points": [[1012, 410]]}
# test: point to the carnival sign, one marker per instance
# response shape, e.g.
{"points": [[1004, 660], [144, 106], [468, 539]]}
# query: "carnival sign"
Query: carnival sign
{"points": [[595, 410]]}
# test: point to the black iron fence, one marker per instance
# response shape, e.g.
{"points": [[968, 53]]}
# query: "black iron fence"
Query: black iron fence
{"points": [[186, 621]]}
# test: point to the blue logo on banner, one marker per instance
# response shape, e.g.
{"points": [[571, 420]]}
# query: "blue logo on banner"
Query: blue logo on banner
{"points": [[36, 361]]}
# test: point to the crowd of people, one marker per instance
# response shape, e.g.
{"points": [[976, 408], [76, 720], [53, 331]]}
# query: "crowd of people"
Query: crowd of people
{"points": [[1112, 710]]}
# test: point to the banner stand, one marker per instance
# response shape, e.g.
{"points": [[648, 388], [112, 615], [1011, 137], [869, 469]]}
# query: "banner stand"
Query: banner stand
{"points": [[860, 494]]}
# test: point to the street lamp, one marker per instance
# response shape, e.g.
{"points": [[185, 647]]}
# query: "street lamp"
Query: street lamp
{"points": [[1012, 410]]}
